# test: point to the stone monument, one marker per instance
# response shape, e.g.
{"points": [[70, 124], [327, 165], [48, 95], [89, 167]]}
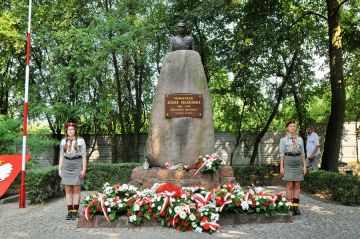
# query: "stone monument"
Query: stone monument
{"points": [[183, 132], [181, 126]]}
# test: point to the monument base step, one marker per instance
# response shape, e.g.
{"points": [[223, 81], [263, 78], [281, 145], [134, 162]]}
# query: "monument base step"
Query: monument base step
{"points": [[227, 220], [182, 178]]}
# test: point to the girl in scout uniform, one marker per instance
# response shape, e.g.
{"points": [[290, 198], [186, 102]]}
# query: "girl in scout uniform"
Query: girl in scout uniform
{"points": [[292, 164], [72, 168]]}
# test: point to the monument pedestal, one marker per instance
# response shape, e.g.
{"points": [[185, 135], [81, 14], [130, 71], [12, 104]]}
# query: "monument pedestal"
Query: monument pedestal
{"points": [[182, 178]]}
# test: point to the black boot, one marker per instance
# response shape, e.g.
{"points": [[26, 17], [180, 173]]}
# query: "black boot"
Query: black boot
{"points": [[296, 206], [297, 210], [75, 215], [69, 216]]}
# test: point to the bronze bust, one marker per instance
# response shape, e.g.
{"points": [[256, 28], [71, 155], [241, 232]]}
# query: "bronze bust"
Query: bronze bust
{"points": [[182, 41]]}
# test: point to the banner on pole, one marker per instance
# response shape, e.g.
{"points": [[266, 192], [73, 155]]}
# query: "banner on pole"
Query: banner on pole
{"points": [[10, 167]]}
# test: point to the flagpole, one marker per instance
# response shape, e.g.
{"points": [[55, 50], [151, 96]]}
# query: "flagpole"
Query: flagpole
{"points": [[22, 199]]}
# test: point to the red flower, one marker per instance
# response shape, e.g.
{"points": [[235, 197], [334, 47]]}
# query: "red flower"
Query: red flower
{"points": [[167, 218], [95, 202], [149, 210], [265, 204], [155, 215], [206, 227], [98, 208], [170, 188], [253, 205], [140, 214], [184, 223], [128, 214], [219, 201], [162, 214], [178, 228]]}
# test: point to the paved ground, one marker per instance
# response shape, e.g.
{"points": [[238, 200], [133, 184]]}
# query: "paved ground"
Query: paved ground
{"points": [[319, 219]]}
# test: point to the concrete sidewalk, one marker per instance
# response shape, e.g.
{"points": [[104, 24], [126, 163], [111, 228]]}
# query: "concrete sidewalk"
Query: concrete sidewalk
{"points": [[319, 219]]}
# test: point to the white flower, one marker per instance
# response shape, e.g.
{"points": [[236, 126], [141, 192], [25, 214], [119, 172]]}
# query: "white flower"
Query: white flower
{"points": [[283, 199], [177, 209], [170, 210], [124, 187], [198, 229], [87, 198], [259, 189], [183, 196], [206, 213], [182, 215], [152, 205], [257, 203], [159, 208], [132, 218], [214, 217], [244, 205], [281, 204], [107, 203], [108, 209], [192, 218], [120, 205], [136, 207], [172, 199], [193, 224]]}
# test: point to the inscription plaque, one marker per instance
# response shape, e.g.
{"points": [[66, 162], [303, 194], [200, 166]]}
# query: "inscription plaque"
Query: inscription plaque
{"points": [[183, 105]]}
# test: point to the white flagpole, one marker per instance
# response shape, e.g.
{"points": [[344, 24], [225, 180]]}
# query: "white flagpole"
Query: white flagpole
{"points": [[22, 201]]}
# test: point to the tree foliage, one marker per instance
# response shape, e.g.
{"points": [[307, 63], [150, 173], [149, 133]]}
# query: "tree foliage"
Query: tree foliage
{"points": [[97, 62]]}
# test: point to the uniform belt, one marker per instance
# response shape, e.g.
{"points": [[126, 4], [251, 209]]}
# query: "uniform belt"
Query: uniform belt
{"points": [[292, 154], [73, 158]]}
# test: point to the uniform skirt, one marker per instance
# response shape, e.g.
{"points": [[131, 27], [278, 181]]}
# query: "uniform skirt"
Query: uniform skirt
{"points": [[70, 172], [293, 168]]}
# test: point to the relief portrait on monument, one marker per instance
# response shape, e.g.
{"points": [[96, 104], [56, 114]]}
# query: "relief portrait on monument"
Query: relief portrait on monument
{"points": [[182, 41]]}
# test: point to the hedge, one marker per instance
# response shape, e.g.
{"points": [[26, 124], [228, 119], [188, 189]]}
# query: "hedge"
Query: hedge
{"points": [[247, 175], [344, 188], [44, 183], [98, 174]]}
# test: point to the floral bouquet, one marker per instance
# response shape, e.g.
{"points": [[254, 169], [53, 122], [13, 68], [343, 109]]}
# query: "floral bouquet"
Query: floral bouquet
{"points": [[208, 164], [184, 209]]}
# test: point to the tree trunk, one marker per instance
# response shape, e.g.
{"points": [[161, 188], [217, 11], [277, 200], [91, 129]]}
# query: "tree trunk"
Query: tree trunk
{"points": [[336, 121], [280, 94], [238, 137], [58, 136], [300, 111]]}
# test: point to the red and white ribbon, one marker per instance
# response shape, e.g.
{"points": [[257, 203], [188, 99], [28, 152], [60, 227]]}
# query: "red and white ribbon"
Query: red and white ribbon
{"points": [[184, 208], [167, 196], [103, 207], [212, 225], [227, 199], [273, 199], [141, 201], [201, 200], [87, 213]]}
